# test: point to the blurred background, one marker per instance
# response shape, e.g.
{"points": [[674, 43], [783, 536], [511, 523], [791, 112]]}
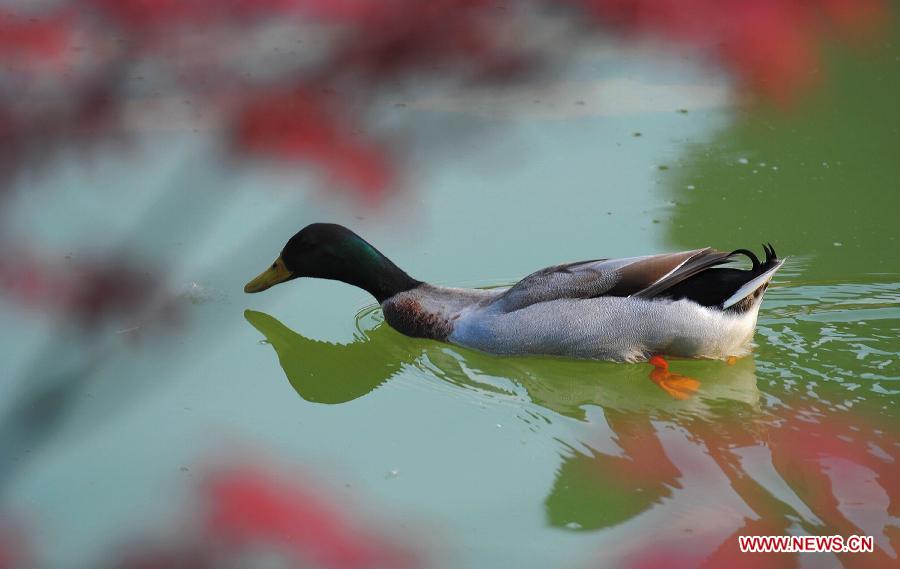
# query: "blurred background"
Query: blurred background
{"points": [[156, 154]]}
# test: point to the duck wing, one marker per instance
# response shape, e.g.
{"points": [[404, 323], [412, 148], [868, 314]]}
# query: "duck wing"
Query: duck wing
{"points": [[645, 277]]}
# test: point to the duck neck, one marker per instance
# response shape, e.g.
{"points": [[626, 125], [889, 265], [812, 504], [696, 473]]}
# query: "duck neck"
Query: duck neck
{"points": [[368, 269]]}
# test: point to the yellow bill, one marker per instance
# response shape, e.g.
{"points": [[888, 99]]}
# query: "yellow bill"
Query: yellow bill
{"points": [[277, 273]]}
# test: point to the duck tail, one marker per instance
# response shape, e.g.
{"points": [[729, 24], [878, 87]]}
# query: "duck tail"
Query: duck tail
{"points": [[751, 255], [762, 273]]}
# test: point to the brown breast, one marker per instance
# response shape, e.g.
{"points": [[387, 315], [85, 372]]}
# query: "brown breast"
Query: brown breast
{"points": [[406, 315]]}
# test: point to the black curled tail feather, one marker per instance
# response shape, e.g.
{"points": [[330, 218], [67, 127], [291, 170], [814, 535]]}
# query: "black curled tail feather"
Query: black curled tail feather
{"points": [[727, 288], [752, 256], [771, 257], [756, 282]]}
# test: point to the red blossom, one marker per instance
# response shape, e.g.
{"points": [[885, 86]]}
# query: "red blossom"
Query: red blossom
{"points": [[312, 112], [820, 456], [149, 557], [147, 15], [45, 38], [14, 552], [772, 45], [158, 16], [248, 505], [86, 293], [302, 126], [856, 17], [456, 37]]}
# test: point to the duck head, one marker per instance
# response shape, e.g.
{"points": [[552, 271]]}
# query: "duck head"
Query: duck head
{"points": [[331, 251]]}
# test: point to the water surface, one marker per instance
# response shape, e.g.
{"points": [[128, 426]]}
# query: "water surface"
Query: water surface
{"points": [[525, 462]]}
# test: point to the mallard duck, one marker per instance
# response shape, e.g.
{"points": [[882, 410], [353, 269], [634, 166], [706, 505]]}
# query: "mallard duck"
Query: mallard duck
{"points": [[677, 304]]}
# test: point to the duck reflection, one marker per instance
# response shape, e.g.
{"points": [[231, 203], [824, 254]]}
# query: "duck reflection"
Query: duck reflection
{"points": [[592, 489], [787, 468], [325, 372], [595, 490]]}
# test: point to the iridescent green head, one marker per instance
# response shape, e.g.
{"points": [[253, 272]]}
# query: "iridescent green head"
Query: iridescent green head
{"points": [[331, 251]]}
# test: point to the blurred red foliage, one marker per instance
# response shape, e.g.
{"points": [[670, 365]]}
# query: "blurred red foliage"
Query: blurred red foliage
{"points": [[69, 76], [14, 551], [247, 510], [772, 45], [817, 455], [95, 45], [302, 126], [249, 505], [298, 80], [22, 36], [315, 112], [86, 293]]}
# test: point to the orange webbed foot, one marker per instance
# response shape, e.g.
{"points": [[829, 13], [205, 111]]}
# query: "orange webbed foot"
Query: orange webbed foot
{"points": [[678, 386]]}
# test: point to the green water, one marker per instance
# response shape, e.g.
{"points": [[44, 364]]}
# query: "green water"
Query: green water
{"points": [[489, 462], [630, 457]]}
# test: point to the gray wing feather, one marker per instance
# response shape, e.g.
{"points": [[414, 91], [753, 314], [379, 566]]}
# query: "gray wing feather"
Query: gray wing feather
{"points": [[641, 276], [699, 261], [585, 279]]}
